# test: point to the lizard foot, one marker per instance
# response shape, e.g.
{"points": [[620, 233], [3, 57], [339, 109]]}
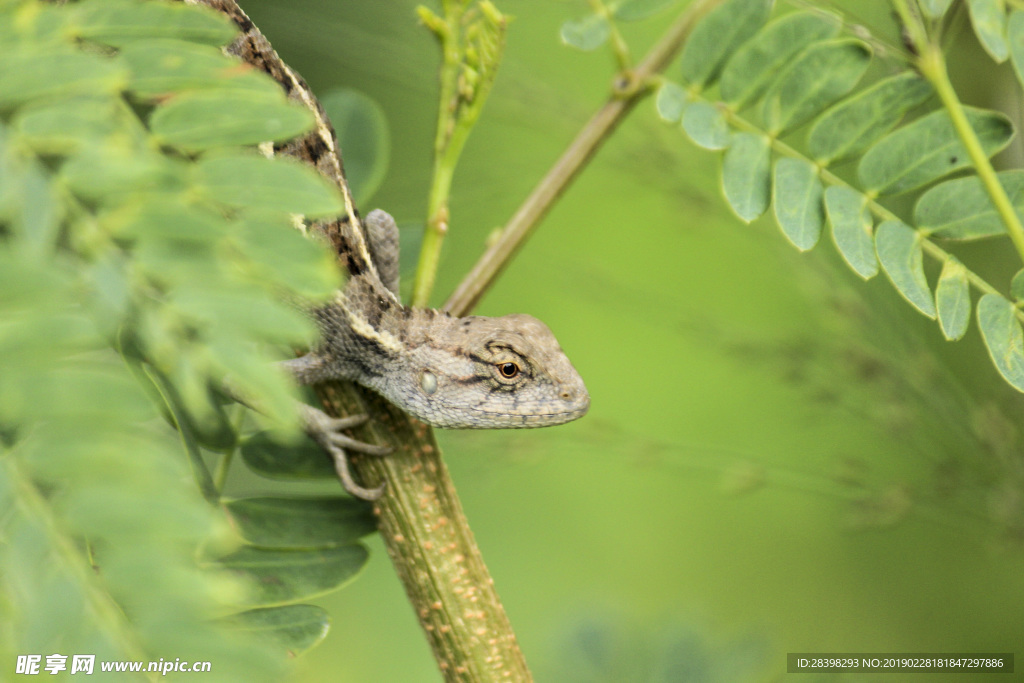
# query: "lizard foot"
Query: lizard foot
{"points": [[324, 429]]}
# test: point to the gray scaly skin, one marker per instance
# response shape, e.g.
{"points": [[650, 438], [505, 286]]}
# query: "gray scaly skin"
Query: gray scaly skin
{"points": [[463, 373]]}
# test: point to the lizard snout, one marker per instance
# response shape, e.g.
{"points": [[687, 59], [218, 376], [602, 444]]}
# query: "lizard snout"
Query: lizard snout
{"points": [[576, 398]]}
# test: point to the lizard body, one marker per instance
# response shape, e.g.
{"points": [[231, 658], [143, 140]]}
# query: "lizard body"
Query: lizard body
{"points": [[470, 373]]}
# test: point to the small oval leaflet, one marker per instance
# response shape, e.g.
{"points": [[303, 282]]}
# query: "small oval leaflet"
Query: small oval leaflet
{"points": [[962, 209], [928, 149], [588, 33], [200, 120], [295, 628], [798, 202], [706, 125], [746, 175], [988, 18], [816, 78], [953, 299], [362, 130], [997, 320], [758, 61], [671, 101], [301, 522], [251, 181], [286, 576], [1015, 31], [1017, 285], [855, 123], [718, 34], [899, 252], [851, 223]]}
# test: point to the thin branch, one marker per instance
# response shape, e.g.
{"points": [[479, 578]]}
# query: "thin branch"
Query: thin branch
{"points": [[632, 87], [932, 64]]}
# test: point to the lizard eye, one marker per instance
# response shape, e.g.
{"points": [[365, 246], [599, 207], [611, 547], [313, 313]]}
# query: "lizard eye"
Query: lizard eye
{"points": [[508, 370]]}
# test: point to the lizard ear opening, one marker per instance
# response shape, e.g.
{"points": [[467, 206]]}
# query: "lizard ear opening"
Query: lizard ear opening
{"points": [[428, 382]]}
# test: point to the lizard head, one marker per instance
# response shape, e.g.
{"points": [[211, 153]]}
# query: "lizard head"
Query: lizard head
{"points": [[494, 373]]}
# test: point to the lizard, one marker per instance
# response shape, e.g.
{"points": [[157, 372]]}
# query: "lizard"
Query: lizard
{"points": [[473, 372]]}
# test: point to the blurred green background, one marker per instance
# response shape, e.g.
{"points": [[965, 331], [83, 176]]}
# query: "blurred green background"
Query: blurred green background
{"points": [[778, 456]]}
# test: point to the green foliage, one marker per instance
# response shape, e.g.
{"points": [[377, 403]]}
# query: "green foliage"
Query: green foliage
{"points": [[999, 325], [144, 260], [953, 299], [591, 31], [363, 134], [787, 95], [798, 202]]}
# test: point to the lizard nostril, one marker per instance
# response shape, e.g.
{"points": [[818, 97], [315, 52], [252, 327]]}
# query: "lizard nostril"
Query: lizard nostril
{"points": [[566, 395]]}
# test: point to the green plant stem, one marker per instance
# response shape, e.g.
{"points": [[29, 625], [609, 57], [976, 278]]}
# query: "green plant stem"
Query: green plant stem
{"points": [[932, 65], [437, 219], [573, 159], [431, 545], [460, 101], [441, 178], [619, 47]]}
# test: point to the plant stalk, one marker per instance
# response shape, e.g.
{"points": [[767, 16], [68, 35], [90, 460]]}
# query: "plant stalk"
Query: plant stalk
{"points": [[631, 89]]}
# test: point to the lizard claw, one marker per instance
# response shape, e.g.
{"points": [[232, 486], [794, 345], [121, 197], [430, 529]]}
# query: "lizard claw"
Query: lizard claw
{"points": [[341, 467], [324, 429], [333, 433]]}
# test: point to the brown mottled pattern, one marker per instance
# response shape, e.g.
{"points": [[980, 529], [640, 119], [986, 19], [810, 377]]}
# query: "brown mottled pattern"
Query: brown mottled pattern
{"points": [[473, 372]]}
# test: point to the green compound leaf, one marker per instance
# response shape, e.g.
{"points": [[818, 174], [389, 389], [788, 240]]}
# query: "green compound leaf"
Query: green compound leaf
{"points": [[758, 62], [718, 35], [255, 182], [160, 67], [855, 123], [200, 120], [798, 202], [286, 576], [706, 125], [588, 33], [935, 8], [296, 628], [851, 229], [816, 78], [1015, 35], [988, 17], [997, 320], [301, 522], [34, 72], [1017, 286], [962, 209], [671, 101], [928, 149], [120, 22], [362, 130], [953, 299], [746, 175], [899, 252]]}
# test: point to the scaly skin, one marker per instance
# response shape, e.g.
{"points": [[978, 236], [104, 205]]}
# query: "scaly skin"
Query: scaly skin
{"points": [[462, 373], [468, 373]]}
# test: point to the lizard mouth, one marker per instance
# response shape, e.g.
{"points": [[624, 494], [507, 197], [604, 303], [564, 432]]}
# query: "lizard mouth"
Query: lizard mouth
{"points": [[504, 420]]}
